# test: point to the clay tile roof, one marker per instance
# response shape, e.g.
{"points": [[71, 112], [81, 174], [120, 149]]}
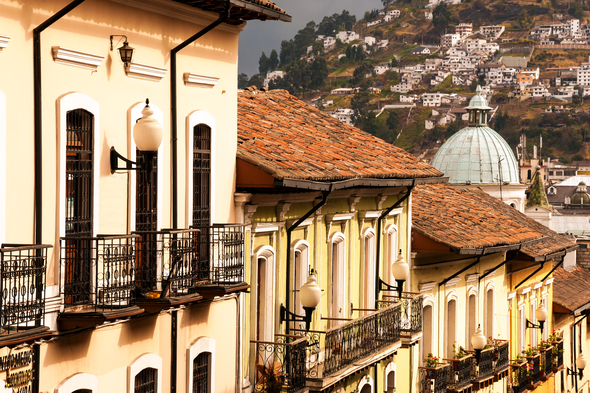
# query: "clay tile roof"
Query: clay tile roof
{"points": [[466, 219], [571, 288], [242, 9], [289, 139]]}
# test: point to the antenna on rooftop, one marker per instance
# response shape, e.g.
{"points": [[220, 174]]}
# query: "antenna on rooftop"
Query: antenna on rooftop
{"points": [[500, 176]]}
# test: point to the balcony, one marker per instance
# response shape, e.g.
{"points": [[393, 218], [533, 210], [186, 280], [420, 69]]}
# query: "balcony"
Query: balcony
{"points": [[97, 280], [557, 355], [547, 363], [502, 359], [518, 377], [343, 350], [411, 315], [281, 365], [22, 306], [460, 378], [483, 374], [533, 371], [435, 379]]}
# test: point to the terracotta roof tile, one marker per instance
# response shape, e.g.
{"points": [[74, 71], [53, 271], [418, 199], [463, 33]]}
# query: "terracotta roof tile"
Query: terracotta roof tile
{"points": [[571, 288], [473, 219], [287, 138]]}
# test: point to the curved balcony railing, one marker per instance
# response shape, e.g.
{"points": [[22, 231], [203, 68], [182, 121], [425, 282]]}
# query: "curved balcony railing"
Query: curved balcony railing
{"points": [[281, 365], [435, 379], [22, 285], [411, 311]]}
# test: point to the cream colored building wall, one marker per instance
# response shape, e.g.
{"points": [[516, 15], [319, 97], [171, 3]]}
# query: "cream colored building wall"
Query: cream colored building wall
{"points": [[109, 351], [564, 323], [87, 28]]}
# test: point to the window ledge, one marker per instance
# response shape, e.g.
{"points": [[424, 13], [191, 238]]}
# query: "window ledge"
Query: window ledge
{"points": [[4, 41], [144, 71], [200, 80], [76, 58]]}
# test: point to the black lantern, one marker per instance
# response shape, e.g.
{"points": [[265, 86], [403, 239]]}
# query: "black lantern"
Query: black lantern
{"points": [[126, 52]]}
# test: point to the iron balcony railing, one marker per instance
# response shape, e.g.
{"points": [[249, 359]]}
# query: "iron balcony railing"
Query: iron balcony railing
{"points": [[518, 377], [559, 355], [485, 369], [99, 272], [435, 379], [547, 361], [535, 366], [281, 365], [502, 356], [360, 338], [180, 260], [411, 311], [462, 371], [22, 281]]}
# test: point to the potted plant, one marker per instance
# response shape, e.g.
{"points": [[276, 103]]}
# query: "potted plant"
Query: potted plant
{"points": [[543, 374], [431, 362], [555, 337], [530, 373], [459, 354]]}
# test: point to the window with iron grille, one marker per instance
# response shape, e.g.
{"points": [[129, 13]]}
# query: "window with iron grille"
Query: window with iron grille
{"points": [[146, 213], [201, 176], [201, 368], [79, 204], [146, 381]]}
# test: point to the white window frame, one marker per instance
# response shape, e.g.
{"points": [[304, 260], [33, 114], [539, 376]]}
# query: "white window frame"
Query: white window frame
{"points": [[195, 118], [78, 381], [392, 251], [338, 303], [268, 253], [546, 328], [133, 114], [391, 367], [148, 360], [489, 310], [521, 328], [300, 271], [471, 291], [450, 334], [201, 345], [366, 380], [369, 273]]}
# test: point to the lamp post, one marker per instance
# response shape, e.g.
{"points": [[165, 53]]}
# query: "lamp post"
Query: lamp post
{"points": [[541, 316], [310, 294], [580, 365], [478, 341], [401, 271]]}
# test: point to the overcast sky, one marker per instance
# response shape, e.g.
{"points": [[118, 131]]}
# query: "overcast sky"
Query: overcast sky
{"points": [[265, 36]]}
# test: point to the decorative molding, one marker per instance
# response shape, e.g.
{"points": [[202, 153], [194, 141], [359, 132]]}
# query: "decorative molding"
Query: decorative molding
{"points": [[379, 199], [343, 217], [372, 215], [281, 209], [76, 58], [249, 211], [526, 290], [397, 211], [263, 227], [452, 282], [427, 286], [471, 277], [537, 286], [144, 71], [200, 80], [4, 41], [353, 200], [307, 222], [511, 295], [549, 281]]}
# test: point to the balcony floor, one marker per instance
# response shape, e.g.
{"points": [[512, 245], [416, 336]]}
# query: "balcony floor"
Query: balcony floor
{"points": [[159, 304], [82, 317], [209, 291], [11, 339]]}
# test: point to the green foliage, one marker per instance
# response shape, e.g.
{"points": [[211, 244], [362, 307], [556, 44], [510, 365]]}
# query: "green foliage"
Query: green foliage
{"points": [[334, 23], [441, 17], [263, 64], [287, 54], [256, 80], [273, 60], [242, 80], [360, 72]]}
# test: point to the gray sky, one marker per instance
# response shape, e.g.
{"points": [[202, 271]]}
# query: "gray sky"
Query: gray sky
{"points": [[265, 36]]}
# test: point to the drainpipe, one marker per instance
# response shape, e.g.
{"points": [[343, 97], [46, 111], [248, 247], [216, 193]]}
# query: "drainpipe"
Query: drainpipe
{"points": [[38, 151], [174, 157], [173, 107], [289, 231], [381, 217]]}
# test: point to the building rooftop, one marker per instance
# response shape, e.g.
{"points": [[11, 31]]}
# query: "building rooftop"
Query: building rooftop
{"points": [[287, 139], [571, 288], [471, 219], [242, 10]]}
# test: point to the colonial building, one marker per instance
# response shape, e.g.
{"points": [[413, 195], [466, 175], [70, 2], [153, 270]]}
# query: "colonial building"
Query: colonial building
{"points": [[104, 297]]}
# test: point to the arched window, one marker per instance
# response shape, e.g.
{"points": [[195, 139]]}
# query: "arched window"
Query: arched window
{"points": [[533, 319], [427, 329], [392, 251], [201, 373], [338, 265], [146, 381], [145, 374], [78, 383], [201, 176], [369, 273], [2, 167], [451, 326], [201, 366], [471, 317], [301, 266], [264, 294], [489, 314], [390, 381]]}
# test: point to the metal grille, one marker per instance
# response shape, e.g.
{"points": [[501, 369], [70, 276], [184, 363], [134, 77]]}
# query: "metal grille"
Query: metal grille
{"points": [[146, 381], [146, 212], [111, 267], [461, 377], [201, 175], [281, 365], [22, 286], [485, 369], [220, 256], [518, 377], [435, 379], [201, 373], [79, 164]]}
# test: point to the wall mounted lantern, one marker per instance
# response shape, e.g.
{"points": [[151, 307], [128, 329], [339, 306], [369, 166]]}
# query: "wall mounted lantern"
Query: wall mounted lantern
{"points": [[126, 52], [478, 341], [541, 315], [401, 272], [580, 365], [309, 294], [147, 134]]}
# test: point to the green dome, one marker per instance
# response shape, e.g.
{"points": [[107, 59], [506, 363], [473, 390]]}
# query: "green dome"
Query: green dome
{"points": [[472, 155], [580, 198]]}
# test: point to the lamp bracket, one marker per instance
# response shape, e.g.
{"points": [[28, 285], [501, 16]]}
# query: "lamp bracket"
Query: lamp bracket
{"points": [[115, 156], [529, 324], [117, 35], [383, 286]]}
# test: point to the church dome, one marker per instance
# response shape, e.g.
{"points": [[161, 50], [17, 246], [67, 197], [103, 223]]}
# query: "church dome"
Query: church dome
{"points": [[477, 154], [580, 198]]}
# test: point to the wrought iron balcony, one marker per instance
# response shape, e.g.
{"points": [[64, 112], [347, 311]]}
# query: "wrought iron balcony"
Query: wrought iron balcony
{"points": [[534, 367], [98, 272], [22, 281], [502, 356], [411, 313], [281, 365], [546, 362], [485, 369], [518, 377], [435, 379], [183, 261], [462, 371], [558, 358]]}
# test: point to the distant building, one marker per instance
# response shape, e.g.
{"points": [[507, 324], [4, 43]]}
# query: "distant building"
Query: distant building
{"points": [[343, 114], [464, 29], [584, 74], [450, 40]]}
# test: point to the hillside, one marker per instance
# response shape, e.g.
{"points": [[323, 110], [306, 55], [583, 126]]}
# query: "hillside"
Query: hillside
{"points": [[314, 66]]}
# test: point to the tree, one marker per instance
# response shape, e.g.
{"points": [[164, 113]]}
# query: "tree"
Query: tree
{"points": [[287, 53], [360, 73], [304, 38], [362, 116], [394, 62], [392, 120], [256, 80], [441, 17], [387, 2], [263, 64], [242, 81], [273, 60], [318, 73]]}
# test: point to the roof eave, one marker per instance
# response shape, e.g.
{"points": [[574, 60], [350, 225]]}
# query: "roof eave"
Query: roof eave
{"points": [[262, 10], [356, 182]]}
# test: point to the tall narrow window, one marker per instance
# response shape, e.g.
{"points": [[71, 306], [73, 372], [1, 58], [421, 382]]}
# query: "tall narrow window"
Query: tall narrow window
{"points": [[201, 367], [337, 295], [146, 381], [78, 208], [521, 327], [369, 270], [489, 330], [427, 334], [201, 175], [546, 305], [301, 273], [533, 319], [471, 319], [451, 326], [146, 213]]}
